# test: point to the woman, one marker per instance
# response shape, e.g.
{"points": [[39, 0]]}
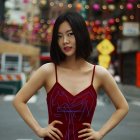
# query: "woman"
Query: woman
{"points": [[72, 85]]}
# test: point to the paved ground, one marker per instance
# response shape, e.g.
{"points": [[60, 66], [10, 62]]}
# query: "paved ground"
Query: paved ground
{"points": [[130, 92], [12, 127]]}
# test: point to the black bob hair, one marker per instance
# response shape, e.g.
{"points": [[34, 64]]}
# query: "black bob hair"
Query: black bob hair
{"points": [[83, 43]]}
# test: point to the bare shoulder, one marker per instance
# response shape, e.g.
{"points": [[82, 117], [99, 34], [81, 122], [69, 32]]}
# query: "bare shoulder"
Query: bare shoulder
{"points": [[102, 74], [43, 71], [47, 68], [101, 71]]}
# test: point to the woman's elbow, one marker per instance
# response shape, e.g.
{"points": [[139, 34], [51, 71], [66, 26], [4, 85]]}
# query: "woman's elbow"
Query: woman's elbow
{"points": [[125, 108], [15, 102]]}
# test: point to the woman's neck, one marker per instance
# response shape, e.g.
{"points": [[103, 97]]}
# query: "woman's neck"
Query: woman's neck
{"points": [[73, 63]]}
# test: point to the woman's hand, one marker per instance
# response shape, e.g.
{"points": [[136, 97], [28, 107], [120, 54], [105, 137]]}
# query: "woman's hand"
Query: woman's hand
{"points": [[89, 134], [51, 131]]}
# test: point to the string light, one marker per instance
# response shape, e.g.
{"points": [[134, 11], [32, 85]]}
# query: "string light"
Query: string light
{"points": [[138, 5], [34, 1], [97, 32], [121, 27], [86, 6], [61, 4], [121, 7], [69, 5], [117, 20], [43, 2], [51, 3], [104, 7], [131, 17]]}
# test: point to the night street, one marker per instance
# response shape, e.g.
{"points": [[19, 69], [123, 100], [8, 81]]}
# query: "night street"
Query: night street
{"points": [[12, 126]]}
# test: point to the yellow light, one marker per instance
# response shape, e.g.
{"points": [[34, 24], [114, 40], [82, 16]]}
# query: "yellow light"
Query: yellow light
{"points": [[86, 6], [132, 17], [34, 1], [61, 4], [43, 35], [51, 3], [138, 5], [117, 20], [121, 7], [104, 7], [69, 5], [124, 18], [43, 2]]}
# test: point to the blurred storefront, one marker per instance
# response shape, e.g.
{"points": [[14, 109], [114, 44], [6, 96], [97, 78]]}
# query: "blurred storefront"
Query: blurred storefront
{"points": [[17, 62]]}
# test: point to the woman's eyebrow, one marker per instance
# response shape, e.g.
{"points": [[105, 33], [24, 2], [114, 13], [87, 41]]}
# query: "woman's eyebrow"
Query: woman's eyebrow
{"points": [[66, 31]]}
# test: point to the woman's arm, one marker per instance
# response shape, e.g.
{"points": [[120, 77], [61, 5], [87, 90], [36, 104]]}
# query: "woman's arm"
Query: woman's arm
{"points": [[109, 85], [117, 98], [37, 80], [25, 93]]}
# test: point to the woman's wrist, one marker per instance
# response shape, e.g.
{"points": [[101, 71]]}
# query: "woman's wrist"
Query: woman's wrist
{"points": [[101, 134], [38, 131]]}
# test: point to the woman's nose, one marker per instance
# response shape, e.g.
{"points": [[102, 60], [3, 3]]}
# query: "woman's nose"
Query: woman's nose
{"points": [[66, 39]]}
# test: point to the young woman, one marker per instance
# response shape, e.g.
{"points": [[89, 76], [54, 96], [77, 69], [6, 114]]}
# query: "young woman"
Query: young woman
{"points": [[72, 86]]}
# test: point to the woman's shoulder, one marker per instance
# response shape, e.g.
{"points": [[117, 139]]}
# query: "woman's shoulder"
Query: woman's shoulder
{"points": [[47, 68], [101, 71]]}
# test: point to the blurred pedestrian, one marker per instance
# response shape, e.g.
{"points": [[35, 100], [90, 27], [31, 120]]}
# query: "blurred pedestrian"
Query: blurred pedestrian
{"points": [[72, 86]]}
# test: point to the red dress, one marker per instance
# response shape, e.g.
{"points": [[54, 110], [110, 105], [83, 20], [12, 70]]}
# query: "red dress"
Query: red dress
{"points": [[71, 110]]}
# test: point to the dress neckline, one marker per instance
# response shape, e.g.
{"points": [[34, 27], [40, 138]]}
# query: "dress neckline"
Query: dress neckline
{"points": [[69, 93]]}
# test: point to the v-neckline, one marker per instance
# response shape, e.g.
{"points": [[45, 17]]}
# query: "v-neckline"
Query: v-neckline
{"points": [[70, 93]]}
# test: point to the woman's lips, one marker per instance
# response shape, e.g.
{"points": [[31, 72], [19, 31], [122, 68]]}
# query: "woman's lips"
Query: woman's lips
{"points": [[67, 49]]}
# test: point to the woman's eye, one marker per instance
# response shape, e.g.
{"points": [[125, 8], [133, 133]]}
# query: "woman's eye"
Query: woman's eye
{"points": [[70, 34], [59, 36]]}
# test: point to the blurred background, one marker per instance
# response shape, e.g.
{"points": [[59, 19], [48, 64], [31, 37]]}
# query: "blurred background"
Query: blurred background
{"points": [[25, 36]]}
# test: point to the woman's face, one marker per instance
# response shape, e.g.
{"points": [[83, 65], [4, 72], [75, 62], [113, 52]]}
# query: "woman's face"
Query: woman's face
{"points": [[66, 39]]}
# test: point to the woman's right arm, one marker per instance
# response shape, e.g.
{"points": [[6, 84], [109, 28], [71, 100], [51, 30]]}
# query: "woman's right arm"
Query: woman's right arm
{"points": [[25, 93], [37, 80]]}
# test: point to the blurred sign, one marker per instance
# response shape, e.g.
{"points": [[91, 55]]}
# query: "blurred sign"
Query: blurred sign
{"points": [[11, 63], [16, 16], [131, 29], [104, 60], [105, 47]]}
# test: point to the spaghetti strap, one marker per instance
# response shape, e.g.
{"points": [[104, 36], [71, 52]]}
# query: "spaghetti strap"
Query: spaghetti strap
{"points": [[56, 72], [93, 74]]}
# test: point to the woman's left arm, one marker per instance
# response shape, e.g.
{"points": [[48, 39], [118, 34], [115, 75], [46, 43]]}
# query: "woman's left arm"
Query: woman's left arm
{"points": [[109, 85]]}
